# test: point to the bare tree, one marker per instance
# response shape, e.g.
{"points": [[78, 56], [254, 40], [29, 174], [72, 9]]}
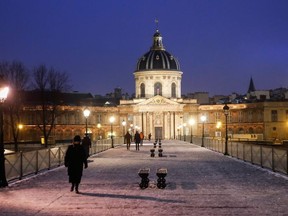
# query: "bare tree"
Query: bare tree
{"points": [[18, 78], [49, 83]]}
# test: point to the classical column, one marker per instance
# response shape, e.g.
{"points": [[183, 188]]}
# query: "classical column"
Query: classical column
{"points": [[174, 126]]}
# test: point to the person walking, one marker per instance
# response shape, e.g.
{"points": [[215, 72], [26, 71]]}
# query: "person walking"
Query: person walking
{"points": [[75, 158], [128, 139], [86, 142], [141, 138], [149, 136], [137, 140]]}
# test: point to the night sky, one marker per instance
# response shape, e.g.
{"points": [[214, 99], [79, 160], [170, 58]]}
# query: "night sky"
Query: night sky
{"points": [[220, 44]]}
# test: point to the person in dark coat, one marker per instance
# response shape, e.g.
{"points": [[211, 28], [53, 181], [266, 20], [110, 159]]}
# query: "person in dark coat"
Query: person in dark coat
{"points": [[86, 142], [128, 139], [75, 158], [137, 140]]}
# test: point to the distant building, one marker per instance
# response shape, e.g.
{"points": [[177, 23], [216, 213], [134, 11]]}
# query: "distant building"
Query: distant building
{"points": [[201, 97], [279, 94]]}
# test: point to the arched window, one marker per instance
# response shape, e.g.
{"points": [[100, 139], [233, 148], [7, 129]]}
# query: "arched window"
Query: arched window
{"points": [[173, 90], [142, 90], [157, 89], [251, 130], [241, 131], [259, 130]]}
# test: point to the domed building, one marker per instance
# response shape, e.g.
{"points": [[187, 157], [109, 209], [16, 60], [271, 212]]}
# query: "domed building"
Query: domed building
{"points": [[158, 72], [158, 107]]}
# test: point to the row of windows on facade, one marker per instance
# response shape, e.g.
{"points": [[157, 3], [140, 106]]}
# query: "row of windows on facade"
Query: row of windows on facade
{"points": [[158, 89], [274, 115], [72, 117], [250, 115], [241, 116]]}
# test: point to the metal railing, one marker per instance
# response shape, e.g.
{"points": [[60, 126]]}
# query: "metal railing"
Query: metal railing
{"points": [[266, 156], [21, 164]]}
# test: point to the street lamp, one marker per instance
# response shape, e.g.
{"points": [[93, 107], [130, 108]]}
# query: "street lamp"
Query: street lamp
{"points": [[191, 123], [124, 124], [86, 114], [4, 89], [112, 119], [203, 119], [226, 112]]}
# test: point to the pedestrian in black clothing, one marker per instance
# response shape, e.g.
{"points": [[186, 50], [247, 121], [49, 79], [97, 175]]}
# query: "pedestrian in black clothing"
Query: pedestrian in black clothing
{"points": [[137, 140], [75, 158], [86, 142], [128, 138]]}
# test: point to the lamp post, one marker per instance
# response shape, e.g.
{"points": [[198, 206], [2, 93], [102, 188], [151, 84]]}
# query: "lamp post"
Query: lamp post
{"points": [[191, 123], [124, 124], [203, 119], [86, 114], [112, 119], [226, 111], [3, 95]]}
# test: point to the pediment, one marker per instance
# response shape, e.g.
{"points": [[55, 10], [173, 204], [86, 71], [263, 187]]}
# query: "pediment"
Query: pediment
{"points": [[158, 100]]}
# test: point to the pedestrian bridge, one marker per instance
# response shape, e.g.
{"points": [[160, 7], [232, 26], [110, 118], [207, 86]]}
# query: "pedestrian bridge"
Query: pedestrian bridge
{"points": [[199, 182]]}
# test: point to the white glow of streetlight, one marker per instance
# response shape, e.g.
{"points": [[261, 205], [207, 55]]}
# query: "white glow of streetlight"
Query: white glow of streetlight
{"points": [[3, 93], [203, 118], [191, 122], [112, 119], [86, 113], [123, 123]]}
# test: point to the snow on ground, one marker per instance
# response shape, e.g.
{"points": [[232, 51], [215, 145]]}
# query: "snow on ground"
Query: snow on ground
{"points": [[199, 182]]}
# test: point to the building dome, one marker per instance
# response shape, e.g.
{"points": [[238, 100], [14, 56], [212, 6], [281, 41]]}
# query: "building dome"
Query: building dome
{"points": [[157, 58]]}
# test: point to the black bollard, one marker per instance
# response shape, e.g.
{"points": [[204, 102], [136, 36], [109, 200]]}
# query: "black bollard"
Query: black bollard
{"points": [[160, 152], [152, 152], [161, 182], [144, 173]]}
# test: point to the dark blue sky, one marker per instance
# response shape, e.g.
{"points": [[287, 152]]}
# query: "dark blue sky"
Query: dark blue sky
{"points": [[220, 44]]}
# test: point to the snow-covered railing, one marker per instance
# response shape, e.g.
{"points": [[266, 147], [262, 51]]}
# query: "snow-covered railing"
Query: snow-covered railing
{"points": [[273, 157], [21, 164]]}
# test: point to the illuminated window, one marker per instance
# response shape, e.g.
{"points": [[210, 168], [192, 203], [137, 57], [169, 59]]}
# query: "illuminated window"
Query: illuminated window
{"points": [[142, 90], [157, 89], [250, 116], [240, 116], [99, 118], [173, 90], [274, 116]]}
